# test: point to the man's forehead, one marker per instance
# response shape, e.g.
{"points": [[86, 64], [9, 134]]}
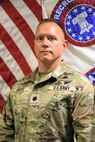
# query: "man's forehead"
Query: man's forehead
{"points": [[50, 28]]}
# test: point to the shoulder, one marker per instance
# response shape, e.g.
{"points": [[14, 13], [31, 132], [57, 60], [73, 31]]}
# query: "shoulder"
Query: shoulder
{"points": [[77, 79], [76, 75]]}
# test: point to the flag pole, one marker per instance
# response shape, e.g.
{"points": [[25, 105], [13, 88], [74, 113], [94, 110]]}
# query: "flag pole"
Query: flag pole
{"points": [[44, 13]]}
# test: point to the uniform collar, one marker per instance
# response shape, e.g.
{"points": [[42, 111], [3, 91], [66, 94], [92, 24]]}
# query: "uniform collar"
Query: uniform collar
{"points": [[36, 77], [41, 77]]}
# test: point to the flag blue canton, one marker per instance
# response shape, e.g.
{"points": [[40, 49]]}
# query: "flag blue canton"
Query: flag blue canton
{"points": [[80, 23]]}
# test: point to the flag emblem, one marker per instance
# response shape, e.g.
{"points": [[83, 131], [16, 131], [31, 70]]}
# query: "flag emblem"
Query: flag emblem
{"points": [[78, 20]]}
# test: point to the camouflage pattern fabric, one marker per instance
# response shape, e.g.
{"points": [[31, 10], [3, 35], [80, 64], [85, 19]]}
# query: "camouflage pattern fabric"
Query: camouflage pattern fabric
{"points": [[52, 107]]}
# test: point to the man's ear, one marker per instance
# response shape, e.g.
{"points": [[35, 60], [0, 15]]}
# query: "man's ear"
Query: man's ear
{"points": [[65, 44]]}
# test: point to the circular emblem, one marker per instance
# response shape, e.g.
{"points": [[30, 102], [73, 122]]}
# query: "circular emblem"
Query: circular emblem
{"points": [[78, 20]]}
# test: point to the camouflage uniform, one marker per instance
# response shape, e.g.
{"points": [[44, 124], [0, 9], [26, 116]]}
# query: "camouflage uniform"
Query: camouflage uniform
{"points": [[52, 107]]}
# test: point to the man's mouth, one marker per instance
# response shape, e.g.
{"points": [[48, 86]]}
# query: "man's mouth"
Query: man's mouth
{"points": [[46, 51]]}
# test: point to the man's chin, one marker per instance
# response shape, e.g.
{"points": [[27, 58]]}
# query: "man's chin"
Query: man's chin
{"points": [[46, 60]]}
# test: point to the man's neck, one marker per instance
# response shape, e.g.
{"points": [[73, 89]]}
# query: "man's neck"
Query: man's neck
{"points": [[47, 67]]}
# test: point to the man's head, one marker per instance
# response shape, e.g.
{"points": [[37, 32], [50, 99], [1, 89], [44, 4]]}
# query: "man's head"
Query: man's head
{"points": [[49, 42]]}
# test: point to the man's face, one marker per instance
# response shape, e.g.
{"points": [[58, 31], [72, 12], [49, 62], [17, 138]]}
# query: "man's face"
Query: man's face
{"points": [[49, 42]]}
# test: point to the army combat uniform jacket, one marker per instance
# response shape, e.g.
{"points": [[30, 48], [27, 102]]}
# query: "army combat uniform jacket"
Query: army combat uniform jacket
{"points": [[52, 107]]}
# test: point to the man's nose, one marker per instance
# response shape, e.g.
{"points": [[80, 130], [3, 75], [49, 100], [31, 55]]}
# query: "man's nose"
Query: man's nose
{"points": [[45, 42]]}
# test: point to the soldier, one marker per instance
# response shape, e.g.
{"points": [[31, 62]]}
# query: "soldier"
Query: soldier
{"points": [[53, 104]]}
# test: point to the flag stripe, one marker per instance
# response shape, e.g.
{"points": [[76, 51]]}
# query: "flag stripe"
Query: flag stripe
{"points": [[35, 9], [27, 15], [3, 92], [17, 55], [19, 40], [10, 62], [7, 74], [19, 22]]}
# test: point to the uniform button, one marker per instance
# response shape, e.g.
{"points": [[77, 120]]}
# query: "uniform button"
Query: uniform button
{"points": [[34, 98]]}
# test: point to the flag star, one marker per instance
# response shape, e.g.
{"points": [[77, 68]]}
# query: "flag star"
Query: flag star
{"points": [[93, 13], [83, 7], [80, 38], [69, 17], [88, 37], [94, 33], [69, 30], [73, 35], [68, 23], [90, 9], [75, 10]]}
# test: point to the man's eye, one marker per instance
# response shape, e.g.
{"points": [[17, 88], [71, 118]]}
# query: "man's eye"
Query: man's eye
{"points": [[51, 38], [40, 38]]}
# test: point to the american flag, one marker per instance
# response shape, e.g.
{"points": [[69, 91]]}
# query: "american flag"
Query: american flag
{"points": [[18, 21]]}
